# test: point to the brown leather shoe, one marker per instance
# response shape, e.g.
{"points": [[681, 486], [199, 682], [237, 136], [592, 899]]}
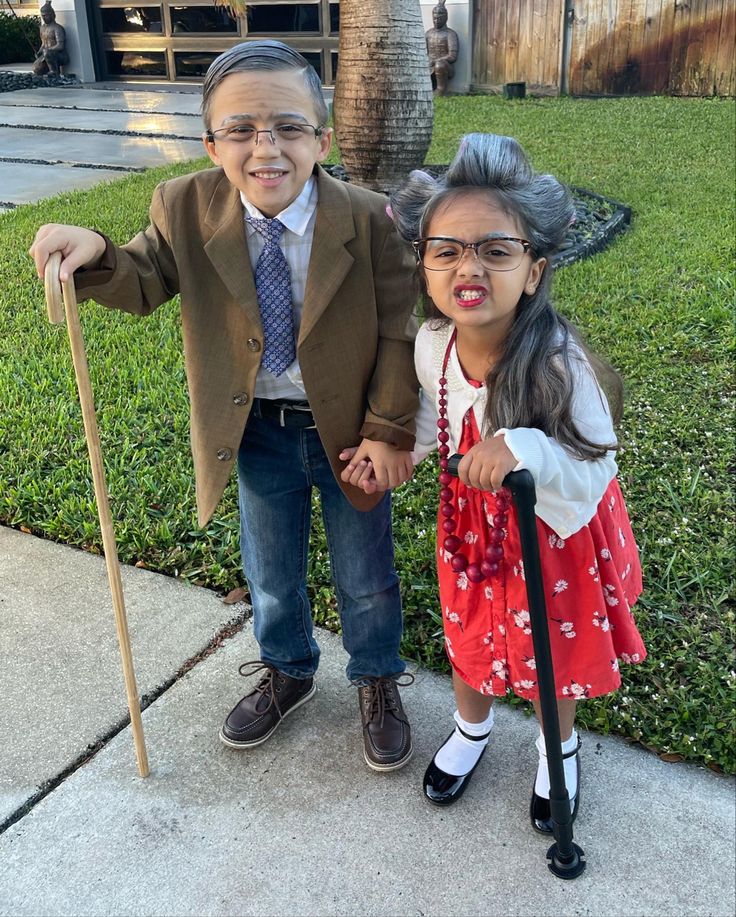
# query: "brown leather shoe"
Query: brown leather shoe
{"points": [[386, 731], [259, 713]]}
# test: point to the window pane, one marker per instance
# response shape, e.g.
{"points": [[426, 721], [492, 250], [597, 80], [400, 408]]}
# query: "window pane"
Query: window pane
{"points": [[201, 19], [192, 63], [292, 17], [132, 19], [136, 63], [334, 65], [315, 59], [334, 17]]}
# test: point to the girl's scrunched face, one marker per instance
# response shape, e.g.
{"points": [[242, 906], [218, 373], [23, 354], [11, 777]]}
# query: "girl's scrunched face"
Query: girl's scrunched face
{"points": [[480, 291]]}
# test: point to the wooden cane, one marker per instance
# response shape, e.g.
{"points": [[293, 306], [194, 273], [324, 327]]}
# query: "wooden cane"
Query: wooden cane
{"points": [[56, 307]]}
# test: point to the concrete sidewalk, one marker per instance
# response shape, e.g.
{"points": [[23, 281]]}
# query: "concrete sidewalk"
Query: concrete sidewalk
{"points": [[298, 826], [70, 138]]}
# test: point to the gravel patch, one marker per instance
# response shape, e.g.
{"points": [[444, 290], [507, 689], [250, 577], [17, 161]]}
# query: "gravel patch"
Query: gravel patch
{"points": [[10, 80]]}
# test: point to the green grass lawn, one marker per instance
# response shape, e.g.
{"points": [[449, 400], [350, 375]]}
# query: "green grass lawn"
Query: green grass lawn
{"points": [[658, 304]]}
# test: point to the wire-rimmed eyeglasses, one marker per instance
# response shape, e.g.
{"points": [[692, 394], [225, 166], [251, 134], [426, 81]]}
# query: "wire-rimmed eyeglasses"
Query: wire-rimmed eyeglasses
{"points": [[246, 133], [495, 252]]}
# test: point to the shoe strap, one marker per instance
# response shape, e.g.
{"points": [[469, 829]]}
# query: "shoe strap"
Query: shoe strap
{"points": [[472, 738], [567, 754], [571, 754]]}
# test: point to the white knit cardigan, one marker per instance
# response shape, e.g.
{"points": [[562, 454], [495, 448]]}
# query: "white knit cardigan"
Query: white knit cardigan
{"points": [[568, 489]]}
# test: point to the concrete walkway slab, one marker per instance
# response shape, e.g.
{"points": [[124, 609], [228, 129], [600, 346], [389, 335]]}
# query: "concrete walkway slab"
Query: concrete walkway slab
{"points": [[300, 826], [185, 103], [61, 677], [148, 123], [125, 152], [26, 182]]}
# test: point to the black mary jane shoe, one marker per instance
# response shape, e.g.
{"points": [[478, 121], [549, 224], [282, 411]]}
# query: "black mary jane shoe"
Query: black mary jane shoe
{"points": [[443, 789], [539, 810]]}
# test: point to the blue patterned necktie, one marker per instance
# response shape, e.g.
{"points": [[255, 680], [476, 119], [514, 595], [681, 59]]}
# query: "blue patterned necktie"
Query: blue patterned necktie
{"points": [[273, 288]]}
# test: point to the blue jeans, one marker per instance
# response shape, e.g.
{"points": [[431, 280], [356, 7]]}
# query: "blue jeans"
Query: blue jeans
{"points": [[277, 469]]}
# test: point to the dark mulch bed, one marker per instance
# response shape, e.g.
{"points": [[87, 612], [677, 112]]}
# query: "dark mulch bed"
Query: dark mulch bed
{"points": [[598, 219]]}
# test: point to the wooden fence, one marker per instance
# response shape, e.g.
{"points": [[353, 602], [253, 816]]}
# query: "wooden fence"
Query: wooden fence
{"points": [[606, 47]]}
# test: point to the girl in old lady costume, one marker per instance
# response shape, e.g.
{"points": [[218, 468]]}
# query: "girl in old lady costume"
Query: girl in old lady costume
{"points": [[507, 381]]}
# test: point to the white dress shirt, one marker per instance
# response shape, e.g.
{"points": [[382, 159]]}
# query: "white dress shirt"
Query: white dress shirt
{"points": [[568, 489], [296, 243]]}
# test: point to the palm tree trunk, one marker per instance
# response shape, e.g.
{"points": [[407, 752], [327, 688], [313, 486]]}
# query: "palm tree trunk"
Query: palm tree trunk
{"points": [[383, 95]]}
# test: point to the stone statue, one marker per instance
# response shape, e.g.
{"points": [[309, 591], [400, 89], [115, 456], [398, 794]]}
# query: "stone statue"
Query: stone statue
{"points": [[442, 48], [52, 54]]}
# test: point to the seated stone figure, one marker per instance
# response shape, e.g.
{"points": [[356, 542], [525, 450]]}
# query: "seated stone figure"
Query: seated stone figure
{"points": [[442, 48], [52, 55]]}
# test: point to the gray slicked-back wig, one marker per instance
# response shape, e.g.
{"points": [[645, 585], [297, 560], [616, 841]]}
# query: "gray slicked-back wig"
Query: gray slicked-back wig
{"points": [[265, 54], [532, 383]]}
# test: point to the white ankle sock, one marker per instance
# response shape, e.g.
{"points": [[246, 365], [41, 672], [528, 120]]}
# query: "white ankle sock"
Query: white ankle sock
{"points": [[458, 756], [541, 787]]}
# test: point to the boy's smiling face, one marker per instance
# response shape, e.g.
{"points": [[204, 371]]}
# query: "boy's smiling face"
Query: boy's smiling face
{"points": [[271, 176]]}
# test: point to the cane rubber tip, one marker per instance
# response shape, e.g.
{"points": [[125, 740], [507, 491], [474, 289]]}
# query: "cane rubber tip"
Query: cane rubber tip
{"points": [[52, 287], [569, 867]]}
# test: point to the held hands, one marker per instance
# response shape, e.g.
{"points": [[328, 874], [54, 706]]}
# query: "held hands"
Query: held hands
{"points": [[79, 248], [375, 466], [487, 464]]}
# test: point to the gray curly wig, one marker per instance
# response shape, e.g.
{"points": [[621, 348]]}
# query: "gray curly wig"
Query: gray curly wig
{"points": [[532, 384]]}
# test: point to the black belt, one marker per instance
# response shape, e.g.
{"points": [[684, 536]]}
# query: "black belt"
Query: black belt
{"points": [[286, 413]]}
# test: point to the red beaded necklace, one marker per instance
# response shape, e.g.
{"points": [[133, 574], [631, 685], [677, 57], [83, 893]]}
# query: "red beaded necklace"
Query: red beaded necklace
{"points": [[491, 563]]}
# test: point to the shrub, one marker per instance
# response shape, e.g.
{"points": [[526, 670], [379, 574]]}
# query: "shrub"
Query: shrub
{"points": [[15, 33]]}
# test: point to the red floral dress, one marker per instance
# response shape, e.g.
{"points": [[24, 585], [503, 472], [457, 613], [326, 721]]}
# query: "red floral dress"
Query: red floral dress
{"points": [[591, 580]]}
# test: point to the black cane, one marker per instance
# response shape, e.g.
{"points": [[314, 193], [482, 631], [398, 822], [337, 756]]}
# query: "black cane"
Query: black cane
{"points": [[565, 859]]}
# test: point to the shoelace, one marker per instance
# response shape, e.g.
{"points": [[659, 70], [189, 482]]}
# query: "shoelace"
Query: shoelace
{"points": [[266, 683], [382, 697]]}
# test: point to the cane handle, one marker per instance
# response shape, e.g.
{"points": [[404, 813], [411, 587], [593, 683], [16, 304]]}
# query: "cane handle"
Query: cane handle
{"points": [[52, 286]]}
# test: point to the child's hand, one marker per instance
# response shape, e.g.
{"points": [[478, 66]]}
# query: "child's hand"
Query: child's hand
{"points": [[79, 248], [378, 466], [359, 474], [487, 464]]}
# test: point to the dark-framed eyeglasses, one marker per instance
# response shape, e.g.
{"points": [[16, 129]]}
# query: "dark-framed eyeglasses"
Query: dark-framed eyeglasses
{"points": [[282, 133], [496, 252]]}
